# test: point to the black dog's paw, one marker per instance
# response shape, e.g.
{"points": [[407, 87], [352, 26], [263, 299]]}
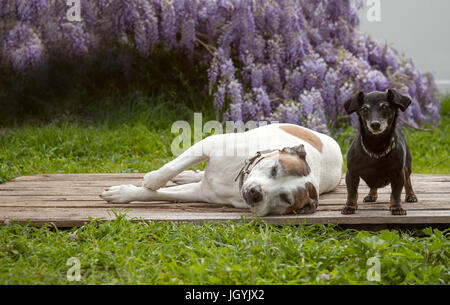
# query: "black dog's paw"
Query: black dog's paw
{"points": [[370, 198], [398, 211], [411, 198], [348, 210]]}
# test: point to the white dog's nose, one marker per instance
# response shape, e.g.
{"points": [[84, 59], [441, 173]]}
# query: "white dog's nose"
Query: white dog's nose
{"points": [[253, 194]]}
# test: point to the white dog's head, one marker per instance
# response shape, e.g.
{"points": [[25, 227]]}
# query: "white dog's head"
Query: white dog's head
{"points": [[280, 183]]}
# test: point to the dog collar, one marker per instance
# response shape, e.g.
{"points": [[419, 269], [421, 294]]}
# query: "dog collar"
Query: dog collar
{"points": [[380, 155], [249, 164]]}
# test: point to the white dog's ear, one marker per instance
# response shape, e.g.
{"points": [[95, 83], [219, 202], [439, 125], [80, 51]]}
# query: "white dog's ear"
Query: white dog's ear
{"points": [[311, 206], [298, 150]]}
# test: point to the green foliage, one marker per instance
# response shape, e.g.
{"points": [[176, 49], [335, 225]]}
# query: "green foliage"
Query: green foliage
{"points": [[130, 133], [430, 150]]}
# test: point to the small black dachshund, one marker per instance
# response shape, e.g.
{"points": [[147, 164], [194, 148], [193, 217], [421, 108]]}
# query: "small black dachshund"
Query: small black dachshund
{"points": [[379, 154]]}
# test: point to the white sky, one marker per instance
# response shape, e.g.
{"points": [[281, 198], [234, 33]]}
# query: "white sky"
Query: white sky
{"points": [[418, 28]]}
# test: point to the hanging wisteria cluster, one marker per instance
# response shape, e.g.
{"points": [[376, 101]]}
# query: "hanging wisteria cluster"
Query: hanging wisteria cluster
{"points": [[276, 60]]}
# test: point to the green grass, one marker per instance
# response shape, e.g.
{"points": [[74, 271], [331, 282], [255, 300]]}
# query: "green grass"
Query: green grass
{"points": [[430, 150], [120, 133], [220, 253]]}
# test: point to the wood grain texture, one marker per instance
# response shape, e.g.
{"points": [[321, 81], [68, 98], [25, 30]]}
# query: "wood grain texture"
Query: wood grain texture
{"points": [[67, 200]]}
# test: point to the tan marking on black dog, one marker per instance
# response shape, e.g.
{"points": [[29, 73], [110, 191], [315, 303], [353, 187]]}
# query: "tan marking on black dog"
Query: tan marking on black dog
{"points": [[304, 134], [410, 195], [395, 206], [372, 196], [352, 204]]}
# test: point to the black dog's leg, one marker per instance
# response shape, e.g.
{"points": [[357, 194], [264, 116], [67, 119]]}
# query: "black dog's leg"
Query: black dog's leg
{"points": [[372, 196], [397, 183], [410, 196], [352, 182]]}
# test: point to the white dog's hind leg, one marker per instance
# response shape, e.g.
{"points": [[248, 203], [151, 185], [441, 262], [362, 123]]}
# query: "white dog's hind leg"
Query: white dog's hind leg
{"points": [[127, 193], [189, 176], [159, 178]]}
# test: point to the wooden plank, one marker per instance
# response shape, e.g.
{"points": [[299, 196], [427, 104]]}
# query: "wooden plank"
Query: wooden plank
{"points": [[76, 183], [214, 208], [95, 191], [77, 217], [80, 177], [88, 179], [95, 197], [431, 203], [115, 179], [124, 176], [381, 197], [69, 200], [95, 200]]}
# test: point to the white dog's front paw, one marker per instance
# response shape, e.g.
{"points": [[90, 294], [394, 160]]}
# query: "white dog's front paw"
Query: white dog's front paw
{"points": [[119, 194], [153, 181]]}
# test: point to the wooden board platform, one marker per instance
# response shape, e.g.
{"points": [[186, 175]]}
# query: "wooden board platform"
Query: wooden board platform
{"points": [[68, 200]]}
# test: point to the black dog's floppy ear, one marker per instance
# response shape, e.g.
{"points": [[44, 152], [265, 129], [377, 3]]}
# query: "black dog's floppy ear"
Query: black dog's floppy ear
{"points": [[353, 104], [298, 150], [400, 101]]}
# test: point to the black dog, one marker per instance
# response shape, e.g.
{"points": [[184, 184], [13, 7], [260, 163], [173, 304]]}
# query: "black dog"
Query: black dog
{"points": [[379, 154]]}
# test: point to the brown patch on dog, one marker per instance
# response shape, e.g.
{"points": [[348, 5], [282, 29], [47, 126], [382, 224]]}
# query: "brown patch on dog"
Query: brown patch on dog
{"points": [[303, 134], [352, 204], [395, 206], [294, 165], [410, 196], [311, 190], [372, 196], [306, 200]]}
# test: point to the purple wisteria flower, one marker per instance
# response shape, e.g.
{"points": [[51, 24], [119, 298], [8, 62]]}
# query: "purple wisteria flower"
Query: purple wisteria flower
{"points": [[286, 60], [219, 98], [23, 49], [325, 276]]}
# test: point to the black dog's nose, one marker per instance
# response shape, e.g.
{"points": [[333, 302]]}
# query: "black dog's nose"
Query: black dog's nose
{"points": [[375, 125], [255, 194]]}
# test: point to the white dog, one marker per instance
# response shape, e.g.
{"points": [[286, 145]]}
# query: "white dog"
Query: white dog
{"points": [[273, 169]]}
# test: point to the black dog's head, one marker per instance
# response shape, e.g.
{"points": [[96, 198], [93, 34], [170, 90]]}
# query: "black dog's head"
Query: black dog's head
{"points": [[377, 111]]}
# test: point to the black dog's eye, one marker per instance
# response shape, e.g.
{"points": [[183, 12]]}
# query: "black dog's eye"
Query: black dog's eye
{"points": [[273, 172], [384, 107], [364, 109]]}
